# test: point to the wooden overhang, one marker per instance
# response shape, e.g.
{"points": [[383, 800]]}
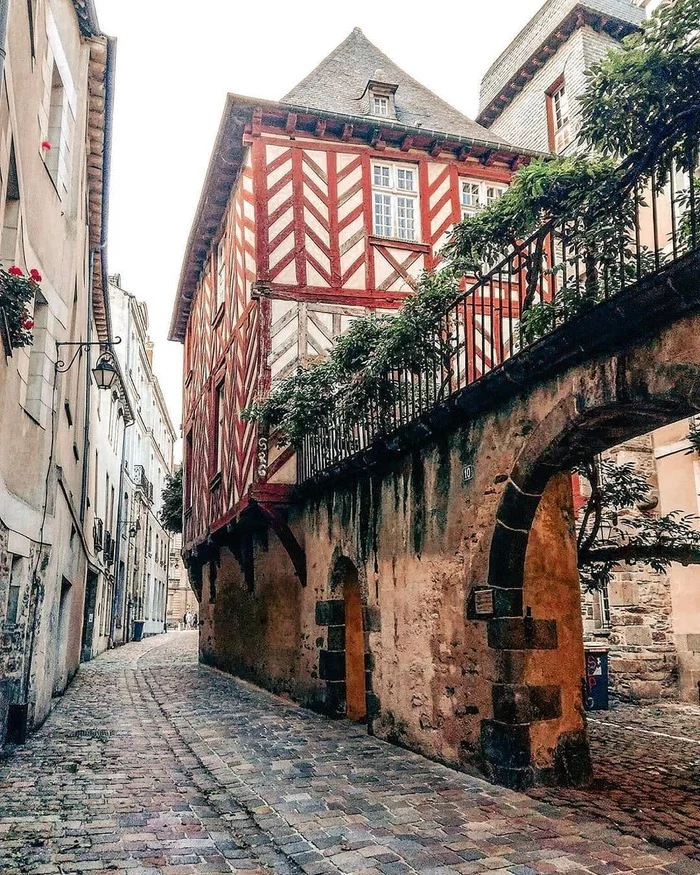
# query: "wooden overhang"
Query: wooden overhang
{"points": [[246, 116], [100, 104], [578, 17]]}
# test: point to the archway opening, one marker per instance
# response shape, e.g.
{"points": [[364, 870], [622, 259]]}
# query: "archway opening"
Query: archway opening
{"points": [[643, 619], [351, 637]]}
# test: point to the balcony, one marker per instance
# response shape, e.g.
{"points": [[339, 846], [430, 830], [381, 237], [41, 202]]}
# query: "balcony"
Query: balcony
{"points": [[109, 548], [142, 482], [97, 534]]}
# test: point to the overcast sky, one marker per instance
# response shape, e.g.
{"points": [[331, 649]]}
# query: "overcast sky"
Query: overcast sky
{"points": [[175, 63]]}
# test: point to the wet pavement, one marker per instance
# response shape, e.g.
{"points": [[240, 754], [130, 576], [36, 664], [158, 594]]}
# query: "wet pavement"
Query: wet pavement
{"points": [[153, 764]]}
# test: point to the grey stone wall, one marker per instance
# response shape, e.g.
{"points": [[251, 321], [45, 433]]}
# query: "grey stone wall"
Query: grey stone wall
{"points": [[639, 638], [524, 121]]}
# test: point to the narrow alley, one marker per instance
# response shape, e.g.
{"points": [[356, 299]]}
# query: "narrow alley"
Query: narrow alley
{"points": [[151, 763]]}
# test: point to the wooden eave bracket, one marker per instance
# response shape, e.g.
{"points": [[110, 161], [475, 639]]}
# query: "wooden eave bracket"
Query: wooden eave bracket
{"points": [[281, 528]]}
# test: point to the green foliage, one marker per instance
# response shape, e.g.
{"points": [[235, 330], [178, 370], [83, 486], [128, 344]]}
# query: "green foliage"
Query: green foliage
{"points": [[620, 503], [16, 292], [694, 437], [561, 189], [359, 378], [641, 104], [171, 512], [641, 108]]}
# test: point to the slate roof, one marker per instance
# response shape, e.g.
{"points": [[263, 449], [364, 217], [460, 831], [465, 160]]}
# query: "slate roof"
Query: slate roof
{"points": [[542, 27], [338, 84]]}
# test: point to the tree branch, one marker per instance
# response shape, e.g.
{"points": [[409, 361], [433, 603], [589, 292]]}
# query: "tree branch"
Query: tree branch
{"points": [[685, 554]]}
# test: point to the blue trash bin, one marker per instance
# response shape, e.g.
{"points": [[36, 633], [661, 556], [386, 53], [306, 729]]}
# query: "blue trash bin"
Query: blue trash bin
{"points": [[138, 630], [597, 681]]}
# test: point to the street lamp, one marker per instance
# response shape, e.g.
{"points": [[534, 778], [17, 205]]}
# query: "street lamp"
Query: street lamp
{"points": [[105, 370]]}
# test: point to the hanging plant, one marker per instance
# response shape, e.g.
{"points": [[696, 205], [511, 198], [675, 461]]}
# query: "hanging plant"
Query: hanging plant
{"points": [[16, 293]]}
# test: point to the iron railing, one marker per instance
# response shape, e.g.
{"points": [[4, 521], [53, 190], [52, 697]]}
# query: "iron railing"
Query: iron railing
{"points": [[550, 279], [142, 482]]}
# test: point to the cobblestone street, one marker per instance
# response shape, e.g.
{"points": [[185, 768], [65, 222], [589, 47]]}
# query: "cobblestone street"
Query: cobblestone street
{"points": [[152, 764]]}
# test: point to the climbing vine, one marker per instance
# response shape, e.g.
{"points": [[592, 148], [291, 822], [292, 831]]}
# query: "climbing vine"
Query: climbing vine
{"points": [[640, 111]]}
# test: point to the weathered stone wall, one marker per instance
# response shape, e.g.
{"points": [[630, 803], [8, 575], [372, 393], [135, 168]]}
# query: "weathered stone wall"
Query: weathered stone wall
{"points": [[639, 637], [459, 680], [412, 534]]}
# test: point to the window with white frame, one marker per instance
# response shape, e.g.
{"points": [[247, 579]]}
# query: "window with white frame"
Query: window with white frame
{"points": [[221, 273], [474, 194], [560, 117], [380, 105], [395, 200]]}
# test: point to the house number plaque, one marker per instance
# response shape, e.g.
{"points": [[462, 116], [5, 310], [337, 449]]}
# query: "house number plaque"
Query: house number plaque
{"points": [[483, 601]]}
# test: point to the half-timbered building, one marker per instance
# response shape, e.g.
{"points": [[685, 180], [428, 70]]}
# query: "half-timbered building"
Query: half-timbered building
{"points": [[315, 209]]}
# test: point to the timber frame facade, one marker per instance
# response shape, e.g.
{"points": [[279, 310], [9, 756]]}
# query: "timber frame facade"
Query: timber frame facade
{"points": [[284, 253]]}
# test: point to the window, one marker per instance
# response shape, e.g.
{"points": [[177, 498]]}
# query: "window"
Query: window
{"points": [[558, 116], [380, 105], [16, 573], [476, 193], [219, 419], [220, 273], [56, 130], [188, 470], [10, 221], [395, 198]]}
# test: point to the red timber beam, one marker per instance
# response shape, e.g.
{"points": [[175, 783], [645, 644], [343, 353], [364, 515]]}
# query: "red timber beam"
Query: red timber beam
{"points": [[281, 528]]}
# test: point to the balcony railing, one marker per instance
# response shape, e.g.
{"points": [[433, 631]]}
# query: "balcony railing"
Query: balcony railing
{"points": [[142, 482], [550, 279]]}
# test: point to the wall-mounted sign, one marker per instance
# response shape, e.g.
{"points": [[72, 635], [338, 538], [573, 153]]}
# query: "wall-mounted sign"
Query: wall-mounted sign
{"points": [[483, 601], [467, 473]]}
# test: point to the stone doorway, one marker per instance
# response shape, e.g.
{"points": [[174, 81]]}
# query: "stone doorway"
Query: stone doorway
{"points": [[343, 664], [355, 688]]}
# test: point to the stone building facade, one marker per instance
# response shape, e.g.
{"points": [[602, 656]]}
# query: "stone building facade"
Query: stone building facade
{"points": [[530, 95], [181, 597], [143, 545], [55, 122]]}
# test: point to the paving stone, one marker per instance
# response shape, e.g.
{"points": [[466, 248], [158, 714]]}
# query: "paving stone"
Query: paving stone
{"points": [[196, 772]]}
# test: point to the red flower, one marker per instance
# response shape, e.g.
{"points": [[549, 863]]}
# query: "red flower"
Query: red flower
{"points": [[35, 275], [27, 324], [15, 271], [46, 145]]}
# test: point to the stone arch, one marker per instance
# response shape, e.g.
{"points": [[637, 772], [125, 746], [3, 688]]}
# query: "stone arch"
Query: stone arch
{"points": [[343, 663], [574, 429], [537, 732]]}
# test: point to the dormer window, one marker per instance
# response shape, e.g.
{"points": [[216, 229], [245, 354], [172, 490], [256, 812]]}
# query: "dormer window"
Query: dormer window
{"points": [[380, 104], [378, 96]]}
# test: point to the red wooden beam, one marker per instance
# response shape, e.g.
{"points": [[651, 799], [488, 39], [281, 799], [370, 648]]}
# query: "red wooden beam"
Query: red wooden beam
{"points": [[281, 528], [376, 140]]}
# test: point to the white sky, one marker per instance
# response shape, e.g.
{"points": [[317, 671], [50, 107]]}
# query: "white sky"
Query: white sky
{"points": [[175, 63]]}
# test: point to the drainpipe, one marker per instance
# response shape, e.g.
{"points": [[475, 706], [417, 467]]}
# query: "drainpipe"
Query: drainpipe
{"points": [[121, 520], [88, 387], [4, 11]]}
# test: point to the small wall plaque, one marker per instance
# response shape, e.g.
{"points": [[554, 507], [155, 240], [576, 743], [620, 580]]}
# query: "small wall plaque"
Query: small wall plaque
{"points": [[467, 473], [483, 601]]}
